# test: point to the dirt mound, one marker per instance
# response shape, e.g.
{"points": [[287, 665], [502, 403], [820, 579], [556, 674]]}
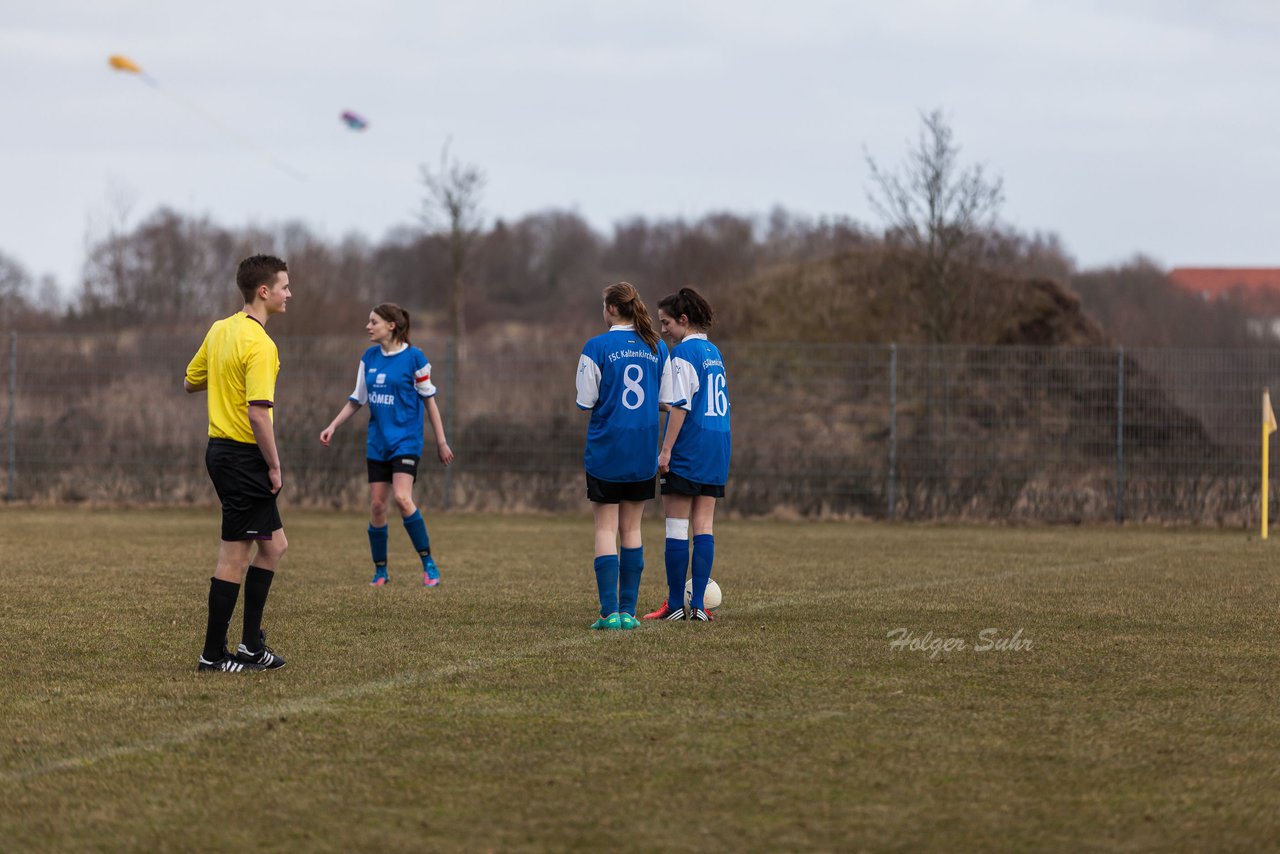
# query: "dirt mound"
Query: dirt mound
{"points": [[867, 296], [1041, 313]]}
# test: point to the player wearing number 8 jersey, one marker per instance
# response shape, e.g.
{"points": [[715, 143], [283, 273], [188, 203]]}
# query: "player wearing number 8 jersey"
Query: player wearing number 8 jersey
{"points": [[694, 460], [622, 376]]}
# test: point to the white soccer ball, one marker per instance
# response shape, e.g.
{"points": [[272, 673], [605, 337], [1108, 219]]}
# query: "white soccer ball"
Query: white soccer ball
{"points": [[710, 596]]}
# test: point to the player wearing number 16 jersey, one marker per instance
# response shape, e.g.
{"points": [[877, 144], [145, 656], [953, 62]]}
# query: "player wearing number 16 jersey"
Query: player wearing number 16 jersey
{"points": [[622, 376], [694, 460]]}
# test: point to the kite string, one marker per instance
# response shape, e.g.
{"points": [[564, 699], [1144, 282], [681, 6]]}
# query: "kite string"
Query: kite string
{"points": [[222, 126]]}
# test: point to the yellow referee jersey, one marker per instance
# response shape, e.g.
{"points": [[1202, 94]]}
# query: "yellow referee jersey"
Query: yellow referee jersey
{"points": [[239, 361]]}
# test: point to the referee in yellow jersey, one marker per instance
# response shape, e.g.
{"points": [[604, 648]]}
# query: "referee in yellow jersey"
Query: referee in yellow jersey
{"points": [[237, 364]]}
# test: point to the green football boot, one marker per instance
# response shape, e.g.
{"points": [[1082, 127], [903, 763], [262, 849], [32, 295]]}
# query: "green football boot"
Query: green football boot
{"points": [[629, 621], [612, 622]]}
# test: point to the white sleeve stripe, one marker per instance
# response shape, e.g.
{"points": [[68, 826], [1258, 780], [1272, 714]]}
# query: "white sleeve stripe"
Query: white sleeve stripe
{"points": [[666, 385], [422, 381], [361, 394], [684, 383], [588, 382]]}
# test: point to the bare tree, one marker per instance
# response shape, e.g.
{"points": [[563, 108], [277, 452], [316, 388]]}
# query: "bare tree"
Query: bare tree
{"points": [[453, 194], [103, 279], [15, 282], [169, 267], [940, 211]]}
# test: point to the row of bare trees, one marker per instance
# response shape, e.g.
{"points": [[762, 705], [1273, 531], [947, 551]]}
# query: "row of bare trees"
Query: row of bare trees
{"points": [[537, 268], [1140, 307], [24, 300], [941, 257]]}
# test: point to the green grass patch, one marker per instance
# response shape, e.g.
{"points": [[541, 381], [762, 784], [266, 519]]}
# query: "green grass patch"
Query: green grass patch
{"points": [[1144, 714]]}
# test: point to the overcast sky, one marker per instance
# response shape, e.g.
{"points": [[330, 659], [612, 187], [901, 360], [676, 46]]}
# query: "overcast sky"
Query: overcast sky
{"points": [[1122, 126]]}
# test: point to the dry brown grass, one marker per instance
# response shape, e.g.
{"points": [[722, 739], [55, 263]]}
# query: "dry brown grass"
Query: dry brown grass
{"points": [[485, 716]]}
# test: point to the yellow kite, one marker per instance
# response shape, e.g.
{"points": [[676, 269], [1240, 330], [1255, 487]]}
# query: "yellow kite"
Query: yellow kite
{"points": [[124, 63]]}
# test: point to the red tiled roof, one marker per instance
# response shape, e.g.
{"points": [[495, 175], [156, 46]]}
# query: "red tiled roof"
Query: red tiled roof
{"points": [[1215, 281]]}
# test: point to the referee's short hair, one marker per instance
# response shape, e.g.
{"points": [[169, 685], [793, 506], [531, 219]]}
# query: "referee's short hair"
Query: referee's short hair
{"points": [[257, 270]]}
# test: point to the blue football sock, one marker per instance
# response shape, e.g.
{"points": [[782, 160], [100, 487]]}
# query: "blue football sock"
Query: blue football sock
{"points": [[677, 558], [417, 531], [630, 567], [704, 554], [607, 583], [378, 546]]}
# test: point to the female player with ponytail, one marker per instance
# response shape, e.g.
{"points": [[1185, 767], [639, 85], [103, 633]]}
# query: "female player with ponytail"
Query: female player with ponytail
{"points": [[395, 380], [622, 376], [694, 460]]}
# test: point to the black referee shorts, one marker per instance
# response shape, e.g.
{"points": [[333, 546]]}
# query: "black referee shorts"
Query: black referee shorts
{"points": [[239, 474]]}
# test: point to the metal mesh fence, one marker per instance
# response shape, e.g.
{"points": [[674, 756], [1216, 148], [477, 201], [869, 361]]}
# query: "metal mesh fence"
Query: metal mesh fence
{"points": [[1055, 435]]}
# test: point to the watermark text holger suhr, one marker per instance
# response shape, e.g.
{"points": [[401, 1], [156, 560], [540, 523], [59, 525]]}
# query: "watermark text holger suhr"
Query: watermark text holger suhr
{"points": [[989, 640]]}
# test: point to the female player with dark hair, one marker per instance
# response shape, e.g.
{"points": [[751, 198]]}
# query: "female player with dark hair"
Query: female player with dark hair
{"points": [[694, 460], [622, 376], [395, 380]]}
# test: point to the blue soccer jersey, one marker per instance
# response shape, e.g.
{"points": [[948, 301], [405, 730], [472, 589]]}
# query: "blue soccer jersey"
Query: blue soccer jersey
{"points": [[395, 387], [699, 386], [621, 381]]}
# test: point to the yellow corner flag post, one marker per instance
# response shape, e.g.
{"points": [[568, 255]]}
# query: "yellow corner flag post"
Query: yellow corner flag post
{"points": [[1268, 427]]}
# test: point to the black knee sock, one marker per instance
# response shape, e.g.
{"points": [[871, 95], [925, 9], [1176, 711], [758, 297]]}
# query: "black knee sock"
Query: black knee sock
{"points": [[222, 604], [257, 584]]}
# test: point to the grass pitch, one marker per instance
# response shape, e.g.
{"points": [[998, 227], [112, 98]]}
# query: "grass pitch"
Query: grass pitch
{"points": [[1131, 699]]}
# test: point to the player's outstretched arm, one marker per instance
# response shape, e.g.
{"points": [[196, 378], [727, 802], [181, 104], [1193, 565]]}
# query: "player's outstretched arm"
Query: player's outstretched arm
{"points": [[343, 414], [437, 427]]}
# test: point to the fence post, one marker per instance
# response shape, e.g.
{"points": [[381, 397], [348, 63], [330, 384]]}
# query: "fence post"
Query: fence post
{"points": [[450, 416], [1120, 434], [893, 428], [13, 417]]}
